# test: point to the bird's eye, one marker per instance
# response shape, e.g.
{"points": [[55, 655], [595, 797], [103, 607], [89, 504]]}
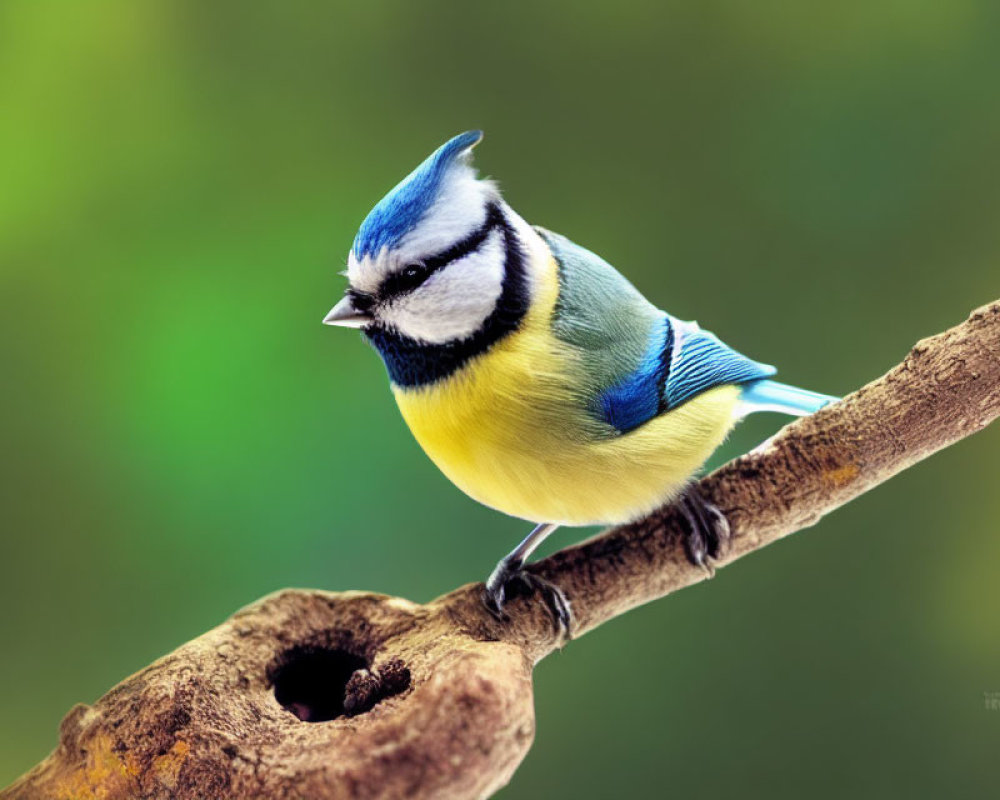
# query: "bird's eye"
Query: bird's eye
{"points": [[406, 279], [412, 271]]}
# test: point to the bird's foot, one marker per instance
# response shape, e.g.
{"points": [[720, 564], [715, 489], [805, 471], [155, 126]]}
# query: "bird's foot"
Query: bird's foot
{"points": [[708, 530], [510, 578]]}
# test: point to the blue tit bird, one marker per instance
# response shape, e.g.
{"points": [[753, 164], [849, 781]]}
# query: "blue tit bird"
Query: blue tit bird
{"points": [[533, 374]]}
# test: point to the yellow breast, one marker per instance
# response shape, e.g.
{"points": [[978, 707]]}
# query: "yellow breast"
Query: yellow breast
{"points": [[510, 430]]}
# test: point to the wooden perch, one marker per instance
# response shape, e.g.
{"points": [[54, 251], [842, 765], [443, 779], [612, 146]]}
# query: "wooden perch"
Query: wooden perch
{"points": [[436, 700]]}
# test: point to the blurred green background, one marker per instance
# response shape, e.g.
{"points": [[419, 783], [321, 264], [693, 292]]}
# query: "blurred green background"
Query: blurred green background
{"points": [[180, 183]]}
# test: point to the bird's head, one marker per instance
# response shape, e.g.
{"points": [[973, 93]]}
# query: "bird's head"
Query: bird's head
{"points": [[430, 260]]}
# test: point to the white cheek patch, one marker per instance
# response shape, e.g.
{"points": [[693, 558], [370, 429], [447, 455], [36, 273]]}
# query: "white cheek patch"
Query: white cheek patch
{"points": [[455, 301]]}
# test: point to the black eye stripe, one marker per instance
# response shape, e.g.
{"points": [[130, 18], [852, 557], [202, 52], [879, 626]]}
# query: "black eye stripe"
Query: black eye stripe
{"points": [[469, 244], [399, 283]]}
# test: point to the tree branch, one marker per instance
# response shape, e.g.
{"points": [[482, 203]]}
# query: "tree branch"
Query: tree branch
{"points": [[435, 700]]}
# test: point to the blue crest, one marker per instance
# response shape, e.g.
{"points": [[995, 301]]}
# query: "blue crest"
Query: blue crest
{"points": [[402, 208]]}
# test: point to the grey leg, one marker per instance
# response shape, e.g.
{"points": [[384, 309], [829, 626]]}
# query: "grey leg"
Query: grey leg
{"points": [[510, 572]]}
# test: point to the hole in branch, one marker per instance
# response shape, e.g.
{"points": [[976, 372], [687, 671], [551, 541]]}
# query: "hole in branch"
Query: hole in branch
{"points": [[318, 684], [312, 682]]}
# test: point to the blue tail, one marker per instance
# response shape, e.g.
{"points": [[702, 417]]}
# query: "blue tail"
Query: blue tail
{"points": [[773, 396]]}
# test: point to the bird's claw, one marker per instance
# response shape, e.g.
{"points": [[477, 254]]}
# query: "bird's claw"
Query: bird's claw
{"points": [[511, 578], [708, 530]]}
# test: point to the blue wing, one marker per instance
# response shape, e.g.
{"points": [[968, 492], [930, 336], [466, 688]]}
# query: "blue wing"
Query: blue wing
{"points": [[639, 396], [681, 361], [700, 362]]}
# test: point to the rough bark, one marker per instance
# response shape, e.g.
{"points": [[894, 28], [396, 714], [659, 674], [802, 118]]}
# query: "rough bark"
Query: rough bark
{"points": [[436, 700]]}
